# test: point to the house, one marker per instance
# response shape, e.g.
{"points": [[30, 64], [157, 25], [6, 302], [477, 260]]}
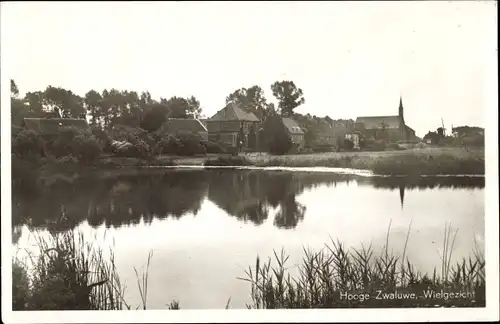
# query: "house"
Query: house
{"points": [[392, 128], [179, 125], [294, 131], [49, 128], [234, 126], [324, 134]]}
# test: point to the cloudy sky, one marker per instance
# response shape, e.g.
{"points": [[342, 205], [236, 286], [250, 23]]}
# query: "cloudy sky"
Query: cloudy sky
{"points": [[350, 59]]}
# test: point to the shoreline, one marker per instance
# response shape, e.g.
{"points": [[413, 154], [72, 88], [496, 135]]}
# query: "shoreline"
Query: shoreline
{"points": [[449, 162]]}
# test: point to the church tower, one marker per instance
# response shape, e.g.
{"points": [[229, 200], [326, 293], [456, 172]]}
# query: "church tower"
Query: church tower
{"points": [[402, 124], [401, 112]]}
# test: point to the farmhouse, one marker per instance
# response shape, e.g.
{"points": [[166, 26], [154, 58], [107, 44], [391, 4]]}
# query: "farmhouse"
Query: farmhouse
{"points": [[49, 128], [294, 131], [231, 124], [392, 128]]}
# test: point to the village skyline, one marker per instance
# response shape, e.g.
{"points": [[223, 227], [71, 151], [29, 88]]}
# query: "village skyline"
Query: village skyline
{"points": [[430, 55]]}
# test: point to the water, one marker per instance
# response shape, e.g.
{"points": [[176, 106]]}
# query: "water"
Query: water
{"points": [[207, 226]]}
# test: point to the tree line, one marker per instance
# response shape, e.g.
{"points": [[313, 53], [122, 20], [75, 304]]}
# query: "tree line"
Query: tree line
{"points": [[134, 109]]}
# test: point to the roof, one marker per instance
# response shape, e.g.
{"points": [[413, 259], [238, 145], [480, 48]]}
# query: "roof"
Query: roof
{"points": [[233, 112], [376, 121], [52, 126], [184, 124], [292, 126]]}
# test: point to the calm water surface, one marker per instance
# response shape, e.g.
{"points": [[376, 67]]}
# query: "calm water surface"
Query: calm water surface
{"points": [[207, 227]]}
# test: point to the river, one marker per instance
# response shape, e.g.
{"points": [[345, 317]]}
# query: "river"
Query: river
{"points": [[205, 227]]}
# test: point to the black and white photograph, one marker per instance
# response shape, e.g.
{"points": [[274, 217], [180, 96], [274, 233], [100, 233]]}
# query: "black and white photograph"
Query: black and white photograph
{"points": [[212, 161]]}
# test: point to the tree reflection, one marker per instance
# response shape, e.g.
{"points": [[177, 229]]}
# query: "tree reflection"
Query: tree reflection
{"points": [[248, 195]]}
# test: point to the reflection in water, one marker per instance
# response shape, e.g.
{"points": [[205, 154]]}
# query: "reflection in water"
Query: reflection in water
{"points": [[402, 195], [248, 195]]}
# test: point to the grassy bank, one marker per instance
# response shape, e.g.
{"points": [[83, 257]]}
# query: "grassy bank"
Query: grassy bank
{"points": [[415, 162], [408, 163], [337, 278]]}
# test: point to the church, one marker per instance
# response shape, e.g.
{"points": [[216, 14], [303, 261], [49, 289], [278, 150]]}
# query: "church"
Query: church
{"points": [[392, 128]]}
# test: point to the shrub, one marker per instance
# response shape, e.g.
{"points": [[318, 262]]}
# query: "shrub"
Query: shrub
{"points": [[139, 149], [86, 149], [348, 144], [276, 138], [191, 144], [27, 145], [214, 147], [375, 145], [102, 137], [168, 145], [20, 286]]}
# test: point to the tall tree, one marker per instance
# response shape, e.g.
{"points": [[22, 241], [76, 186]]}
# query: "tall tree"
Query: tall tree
{"points": [[178, 107], [18, 107], [93, 100], [64, 102], [288, 95], [251, 100], [194, 108], [14, 90]]}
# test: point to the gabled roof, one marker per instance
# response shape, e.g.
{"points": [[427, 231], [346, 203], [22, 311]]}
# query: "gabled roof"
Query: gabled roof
{"points": [[184, 124], [292, 126], [376, 121], [234, 113], [52, 126]]}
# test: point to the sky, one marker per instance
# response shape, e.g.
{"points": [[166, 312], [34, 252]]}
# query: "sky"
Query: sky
{"points": [[350, 58]]}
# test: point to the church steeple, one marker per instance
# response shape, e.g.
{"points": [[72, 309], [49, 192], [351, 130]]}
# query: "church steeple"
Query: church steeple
{"points": [[401, 112]]}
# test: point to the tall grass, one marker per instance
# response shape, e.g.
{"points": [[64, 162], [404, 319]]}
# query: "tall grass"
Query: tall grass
{"points": [[66, 272], [338, 277], [407, 163]]}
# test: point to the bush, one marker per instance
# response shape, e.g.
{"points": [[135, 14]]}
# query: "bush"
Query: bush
{"points": [[139, 149], [276, 138], [102, 137], [87, 149], [20, 287], [191, 144], [214, 147], [375, 145], [27, 145], [168, 145], [348, 144]]}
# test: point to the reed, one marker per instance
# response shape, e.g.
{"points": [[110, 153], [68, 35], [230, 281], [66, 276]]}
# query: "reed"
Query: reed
{"points": [[406, 163], [336, 277], [67, 272]]}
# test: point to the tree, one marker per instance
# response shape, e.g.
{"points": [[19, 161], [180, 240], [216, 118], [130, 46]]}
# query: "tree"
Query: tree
{"points": [[275, 136], [194, 109], [177, 107], [92, 102], [19, 109], [64, 102], [288, 95], [154, 117], [14, 91], [440, 131], [251, 100]]}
